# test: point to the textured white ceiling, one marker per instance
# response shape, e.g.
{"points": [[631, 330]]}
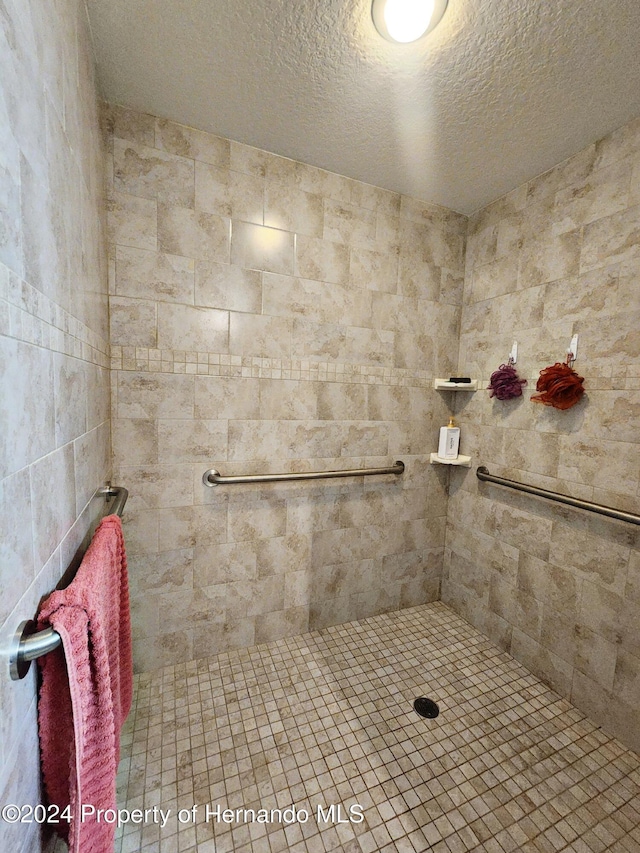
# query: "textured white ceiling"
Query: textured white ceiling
{"points": [[499, 92]]}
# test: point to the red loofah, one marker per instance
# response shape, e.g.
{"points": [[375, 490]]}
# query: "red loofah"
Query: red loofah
{"points": [[560, 386]]}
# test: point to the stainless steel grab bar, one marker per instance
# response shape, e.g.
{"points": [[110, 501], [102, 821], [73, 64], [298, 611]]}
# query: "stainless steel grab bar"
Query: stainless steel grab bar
{"points": [[28, 644], [483, 474], [215, 478]]}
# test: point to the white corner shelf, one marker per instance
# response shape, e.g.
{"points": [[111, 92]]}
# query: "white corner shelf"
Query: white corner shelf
{"points": [[445, 385], [464, 461]]}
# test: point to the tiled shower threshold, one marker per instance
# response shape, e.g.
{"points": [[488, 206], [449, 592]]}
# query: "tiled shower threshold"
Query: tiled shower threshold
{"points": [[326, 720]]}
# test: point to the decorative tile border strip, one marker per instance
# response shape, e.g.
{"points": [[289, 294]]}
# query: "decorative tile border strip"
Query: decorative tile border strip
{"points": [[222, 364], [30, 316]]}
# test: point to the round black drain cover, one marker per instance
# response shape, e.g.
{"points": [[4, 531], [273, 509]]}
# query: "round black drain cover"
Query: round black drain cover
{"points": [[426, 707]]}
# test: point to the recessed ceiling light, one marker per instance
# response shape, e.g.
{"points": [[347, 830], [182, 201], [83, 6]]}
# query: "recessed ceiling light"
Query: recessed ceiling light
{"points": [[405, 21]]}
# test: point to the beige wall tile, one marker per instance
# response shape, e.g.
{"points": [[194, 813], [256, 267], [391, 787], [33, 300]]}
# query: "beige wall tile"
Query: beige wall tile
{"points": [[285, 555], [164, 573], [210, 521], [191, 440], [226, 286], [419, 278], [223, 397], [251, 334], [194, 234], [559, 260], [330, 547], [610, 240], [123, 123], [595, 657], [222, 563], [232, 194], [135, 441], [27, 404], [165, 647], [147, 172], [245, 158], [349, 224], [141, 531], [133, 322], [603, 193], [11, 235], [52, 474], [627, 678], [153, 395], [309, 439], [189, 142], [157, 486], [321, 260], [319, 301], [493, 279], [259, 439], [281, 623], [261, 519], [154, 275], [260, 248], [373, 270], [605, 562], [605, 464], [132, 221], [17, 568], [365, 438], [184, 327], [319, 341], [70, 395], [292, 209], [515, 606], [305, 515], [515, 311], [342, 402], [632, 589], [288, 399], [553, 670]]}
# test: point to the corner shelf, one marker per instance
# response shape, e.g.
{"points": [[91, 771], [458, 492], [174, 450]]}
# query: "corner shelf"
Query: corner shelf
{"points": [[445, 385], [464, 461]]}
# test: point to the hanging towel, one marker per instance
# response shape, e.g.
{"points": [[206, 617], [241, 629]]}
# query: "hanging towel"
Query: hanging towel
{"points": [[86, 690]]}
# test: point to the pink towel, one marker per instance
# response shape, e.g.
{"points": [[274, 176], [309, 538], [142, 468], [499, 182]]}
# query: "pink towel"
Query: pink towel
{"points": [[86, 690]]}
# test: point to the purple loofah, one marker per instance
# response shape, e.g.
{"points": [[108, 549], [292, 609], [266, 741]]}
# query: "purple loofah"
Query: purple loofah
{"points": [[505, 384]]}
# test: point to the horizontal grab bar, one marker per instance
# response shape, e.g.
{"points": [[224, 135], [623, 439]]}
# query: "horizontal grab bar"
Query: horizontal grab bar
{"points": [[215, 478], [483, 474], [27, 643]]}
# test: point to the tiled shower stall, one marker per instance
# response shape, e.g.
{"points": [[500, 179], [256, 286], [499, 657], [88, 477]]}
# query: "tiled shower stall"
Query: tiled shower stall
{"points": [[312, 314], [263, 315]]}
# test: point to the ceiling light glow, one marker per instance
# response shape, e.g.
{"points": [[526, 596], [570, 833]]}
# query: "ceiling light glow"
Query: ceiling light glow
{"points": [[405, 21]]}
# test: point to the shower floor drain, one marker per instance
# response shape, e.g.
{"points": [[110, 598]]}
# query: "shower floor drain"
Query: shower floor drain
{"points": [[426, 707]]}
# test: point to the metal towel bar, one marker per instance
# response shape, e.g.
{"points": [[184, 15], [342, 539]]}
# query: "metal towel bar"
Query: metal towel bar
{"points": [[215, 478], [27, 645], [483, 474]]}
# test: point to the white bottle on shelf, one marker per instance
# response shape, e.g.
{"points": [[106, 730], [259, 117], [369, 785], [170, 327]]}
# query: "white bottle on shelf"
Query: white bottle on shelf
{"points": [[449, 441]]}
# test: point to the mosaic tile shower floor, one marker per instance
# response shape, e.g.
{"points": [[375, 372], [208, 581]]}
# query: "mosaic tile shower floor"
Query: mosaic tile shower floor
{"points": [[326, 718]]}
